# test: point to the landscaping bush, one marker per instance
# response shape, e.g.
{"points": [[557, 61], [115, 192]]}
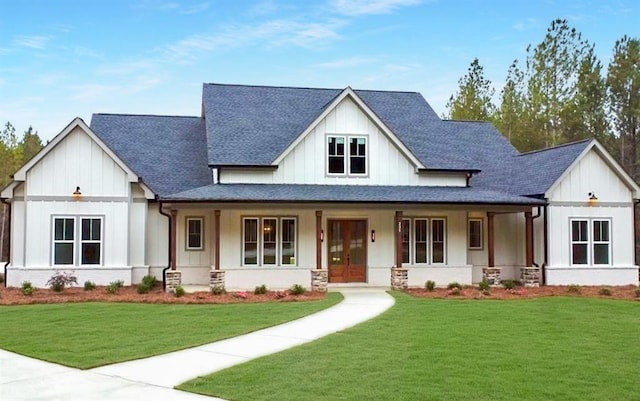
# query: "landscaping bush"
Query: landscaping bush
{"points": [[114, 287], [638, 292], [149, 280], [1, 278], [606, 291], [574, 288], [60, 280], [27, 288], [430, 285], [144, 288], [298, 289], [179, 291], [484, 285], [510, 284], [89, 285], [454, 284], [260, 290], [218, 289]]}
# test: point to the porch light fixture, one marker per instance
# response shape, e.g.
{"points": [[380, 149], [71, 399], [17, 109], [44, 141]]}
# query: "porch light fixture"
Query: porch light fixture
{"points": [[373, 235], [77, 193], [592, 198]]}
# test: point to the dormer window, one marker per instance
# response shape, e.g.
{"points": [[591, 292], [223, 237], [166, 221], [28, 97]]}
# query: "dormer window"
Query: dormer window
{"points": [[349, 160]]}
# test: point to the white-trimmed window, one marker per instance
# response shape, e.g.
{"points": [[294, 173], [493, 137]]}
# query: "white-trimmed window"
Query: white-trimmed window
{"points": [[590, 242], [475, 234], [347, 155], [424, 240], [77, 240], [269, 241], [195, 233]]}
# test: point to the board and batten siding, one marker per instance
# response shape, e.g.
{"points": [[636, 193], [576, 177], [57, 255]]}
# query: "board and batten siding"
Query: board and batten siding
{"points": [[306, 163]]}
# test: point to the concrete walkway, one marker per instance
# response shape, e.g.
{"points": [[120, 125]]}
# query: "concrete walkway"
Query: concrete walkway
{"points": [[23, 378]]}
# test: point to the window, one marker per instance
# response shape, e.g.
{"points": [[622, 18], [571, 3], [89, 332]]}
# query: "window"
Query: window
{"points": [[347, 160], [195, 230], [590, 242], [423, 241], [475, 234], [66, 240], [269, 241]]}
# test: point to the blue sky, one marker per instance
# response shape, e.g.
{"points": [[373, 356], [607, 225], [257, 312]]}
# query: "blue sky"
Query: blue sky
{"points": [[65, 58]]}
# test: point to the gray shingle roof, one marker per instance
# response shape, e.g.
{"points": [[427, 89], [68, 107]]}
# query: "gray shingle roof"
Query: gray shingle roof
{"points": [[348, 193], [168, 153]]}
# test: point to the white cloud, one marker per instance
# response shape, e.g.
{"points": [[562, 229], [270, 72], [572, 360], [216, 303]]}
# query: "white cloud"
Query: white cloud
{"points": [[32, 42], [364, 7], [346, 63], [526, 24]]}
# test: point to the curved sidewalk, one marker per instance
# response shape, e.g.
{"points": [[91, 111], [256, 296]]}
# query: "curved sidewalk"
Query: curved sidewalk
{"points": [[23, 378]]}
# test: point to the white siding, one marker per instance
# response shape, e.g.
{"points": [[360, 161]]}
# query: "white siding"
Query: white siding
{"points": [[157, 244], [306, 164]]}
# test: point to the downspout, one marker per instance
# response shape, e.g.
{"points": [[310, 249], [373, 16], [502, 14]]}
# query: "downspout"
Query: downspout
{"points": [[546, 244], [164, 279], [8, 240], [635, 232], [533, 246]]}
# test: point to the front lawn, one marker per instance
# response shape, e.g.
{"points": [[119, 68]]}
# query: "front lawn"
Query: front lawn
{"points": [[86, 335], [556, 348]]}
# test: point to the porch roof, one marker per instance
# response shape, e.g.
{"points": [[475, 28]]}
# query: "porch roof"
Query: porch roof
{"points": [[348, 194]]}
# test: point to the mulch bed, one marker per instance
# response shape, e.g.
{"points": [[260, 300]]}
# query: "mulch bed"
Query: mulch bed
{"points": [[617, 292], [14, 296]]}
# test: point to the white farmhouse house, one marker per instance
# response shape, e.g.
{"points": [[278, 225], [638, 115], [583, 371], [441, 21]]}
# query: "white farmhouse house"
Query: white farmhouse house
{"points": [[279, 186]]}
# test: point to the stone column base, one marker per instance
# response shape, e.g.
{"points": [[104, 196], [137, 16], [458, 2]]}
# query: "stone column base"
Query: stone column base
{"points": [[173, 279], [492, 275], [530, 276], [216, 279], [399, 278], [319, 280]]}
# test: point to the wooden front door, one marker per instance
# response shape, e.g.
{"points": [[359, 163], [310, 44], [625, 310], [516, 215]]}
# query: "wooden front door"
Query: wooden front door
{"points": [[347, 251]]}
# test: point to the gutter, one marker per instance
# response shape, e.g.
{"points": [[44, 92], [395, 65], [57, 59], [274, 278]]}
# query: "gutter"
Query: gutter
{"points": [[9, 239], [546, 244], [533, 247], [635, 232], [164, 279]]}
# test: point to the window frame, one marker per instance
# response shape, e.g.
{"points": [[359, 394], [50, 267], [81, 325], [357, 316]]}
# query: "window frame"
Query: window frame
{"points": [[279, 242], [82, 241], [480, 222], [590, 241], [429, 242], [346, 157], [187, 233], [55, 241], [77, 242]]}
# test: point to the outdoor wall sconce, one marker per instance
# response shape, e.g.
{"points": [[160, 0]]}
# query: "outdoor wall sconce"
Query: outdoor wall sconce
{"points": [[373, 235], [77, 193], [321, 235], [592, 198]]}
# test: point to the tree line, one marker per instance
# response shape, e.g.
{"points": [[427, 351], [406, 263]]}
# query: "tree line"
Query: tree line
{"points": [[561, 93]]}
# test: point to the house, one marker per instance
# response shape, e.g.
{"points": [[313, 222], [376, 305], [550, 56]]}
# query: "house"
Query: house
{"points": [[280, 185]]}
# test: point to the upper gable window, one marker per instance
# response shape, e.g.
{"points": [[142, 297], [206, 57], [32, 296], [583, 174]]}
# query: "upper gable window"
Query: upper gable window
{"points": [[347, 155]]}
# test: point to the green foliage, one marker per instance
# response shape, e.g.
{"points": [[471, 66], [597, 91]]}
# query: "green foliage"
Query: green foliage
{"points": [[484, 285], [89, 285], [147, 283], [114, 286], [297, 289], [15, 153], [473, 99], [605, 291], [510, 284], [574, 288], [179, 291], [27, 288], [260, 290], [60, 280], [430, 285], [454, 284], [143, 288], [218, 289], [637, 292]]}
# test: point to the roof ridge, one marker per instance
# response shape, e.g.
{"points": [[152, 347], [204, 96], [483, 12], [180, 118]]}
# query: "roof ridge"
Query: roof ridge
{"points": [[466, 121], [143, 115], [556, 147], [310, 88]]}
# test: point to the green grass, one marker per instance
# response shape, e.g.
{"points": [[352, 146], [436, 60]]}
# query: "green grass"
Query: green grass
{"points": [[86, 335], [434, 349]]}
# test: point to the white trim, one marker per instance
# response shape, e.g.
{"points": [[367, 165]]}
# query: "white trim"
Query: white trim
{"points": [[200, 247], [481, 221], [350, 92], [590, 241]]}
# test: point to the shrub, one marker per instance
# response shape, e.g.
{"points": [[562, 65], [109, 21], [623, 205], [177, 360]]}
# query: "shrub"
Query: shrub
{"points": [[179, 291], [114, 287], [144, 288], [260, 290], [149, 280], [27, 288], [484, 285], [298, 289], [638, 292], [454, 284], [89, 285], [486, 292], [1, 278], [574, 288], [430, 285], [606, 291], [218, 289], [455, 290], [60, 280], [510, 284]]}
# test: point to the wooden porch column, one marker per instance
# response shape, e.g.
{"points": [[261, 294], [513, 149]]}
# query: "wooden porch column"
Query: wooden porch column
{"points": [[491, 262], [172, 237], [398, 228], [528, 219], [318, 239], [216, 241]]}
